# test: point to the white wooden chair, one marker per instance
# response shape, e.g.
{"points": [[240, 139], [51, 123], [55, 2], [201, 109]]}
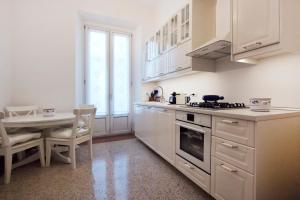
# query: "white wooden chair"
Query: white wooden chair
{"points": [[22, 110], [18, 142], [81, 131], [17, 111]]}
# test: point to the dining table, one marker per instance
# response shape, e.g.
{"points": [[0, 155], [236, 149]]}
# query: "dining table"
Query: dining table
{"points": [[45, 123]]}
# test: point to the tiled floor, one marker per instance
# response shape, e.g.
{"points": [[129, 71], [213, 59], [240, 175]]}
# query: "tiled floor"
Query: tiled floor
{"points": [[120, 170]]}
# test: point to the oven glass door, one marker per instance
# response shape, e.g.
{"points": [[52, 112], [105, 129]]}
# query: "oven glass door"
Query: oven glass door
{"points": [[193, 144]]}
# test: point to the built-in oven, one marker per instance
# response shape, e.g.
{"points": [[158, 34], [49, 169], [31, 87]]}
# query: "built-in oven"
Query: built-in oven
{"points": [[193, 138]]}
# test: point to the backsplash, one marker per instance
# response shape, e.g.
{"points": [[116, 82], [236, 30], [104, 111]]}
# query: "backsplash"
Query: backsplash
{"points": [[275, 77]]}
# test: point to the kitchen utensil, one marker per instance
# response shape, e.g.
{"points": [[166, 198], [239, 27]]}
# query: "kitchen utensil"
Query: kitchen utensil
{"points": [[187, 99], [172, 98]]}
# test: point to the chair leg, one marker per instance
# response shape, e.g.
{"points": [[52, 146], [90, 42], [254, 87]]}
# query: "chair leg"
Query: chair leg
{"points": [[8, 165], [91, 148], [21, 155], [73, 155], [42, 153], [48, 153]]}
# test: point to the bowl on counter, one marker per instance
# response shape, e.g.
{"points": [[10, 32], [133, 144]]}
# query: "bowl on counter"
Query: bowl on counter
{"points": [[260, 104], [48, 112]]}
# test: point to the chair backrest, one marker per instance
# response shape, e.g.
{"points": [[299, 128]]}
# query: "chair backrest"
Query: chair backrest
{"points": [[3, 135], [85, 114], [21, 110]]}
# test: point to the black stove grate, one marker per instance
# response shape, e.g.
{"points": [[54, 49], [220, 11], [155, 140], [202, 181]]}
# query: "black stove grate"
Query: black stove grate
{"points": [[217, 105]]}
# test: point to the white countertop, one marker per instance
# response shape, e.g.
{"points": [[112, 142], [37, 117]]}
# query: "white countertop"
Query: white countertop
{"points": [[244, 113]]}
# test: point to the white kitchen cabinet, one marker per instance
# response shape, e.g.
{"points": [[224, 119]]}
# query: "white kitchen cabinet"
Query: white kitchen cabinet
{"points": [[165, 134], [155, 127], [165, 38], [188, 28], [262, 28], [256, 24], [185, 23], [230, 183], [181, 60], [139, 118], [173, 31]]}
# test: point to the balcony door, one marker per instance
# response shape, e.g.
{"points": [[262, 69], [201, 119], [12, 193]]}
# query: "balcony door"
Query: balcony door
{"points": [[108, 79]]}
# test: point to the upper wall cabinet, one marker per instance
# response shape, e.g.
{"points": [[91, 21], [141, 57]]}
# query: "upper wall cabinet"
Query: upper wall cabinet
{"points": [[191, 26], [174, 31], [185, 28], [261, 28], [257, 30]]}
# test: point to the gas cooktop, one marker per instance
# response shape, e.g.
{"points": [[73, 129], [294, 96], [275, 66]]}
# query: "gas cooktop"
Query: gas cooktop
{"points": [[216, 105]]}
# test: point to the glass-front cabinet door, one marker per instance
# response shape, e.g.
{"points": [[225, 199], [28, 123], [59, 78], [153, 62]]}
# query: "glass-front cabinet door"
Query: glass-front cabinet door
{"points": [[165, 37], [173, 31], [185, 23], [158, 43]]}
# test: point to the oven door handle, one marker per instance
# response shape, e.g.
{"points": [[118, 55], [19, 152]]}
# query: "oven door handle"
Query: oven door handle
{"points": [[190, 127]]}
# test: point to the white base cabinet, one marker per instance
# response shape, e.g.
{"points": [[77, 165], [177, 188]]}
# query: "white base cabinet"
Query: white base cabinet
{"points": [[156, 128], [230, 183]]}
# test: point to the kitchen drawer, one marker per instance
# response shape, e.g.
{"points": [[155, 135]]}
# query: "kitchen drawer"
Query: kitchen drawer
{"points": [[235, 130], [230, 183], [198, 176], [196, 118], [233, 153]]}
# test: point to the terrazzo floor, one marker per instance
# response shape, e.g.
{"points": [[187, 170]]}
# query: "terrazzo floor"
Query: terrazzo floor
{"points": [[120, 170]]}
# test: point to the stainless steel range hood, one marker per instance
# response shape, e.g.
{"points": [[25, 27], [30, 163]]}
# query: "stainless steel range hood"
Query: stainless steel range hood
{"points": [[220, 45]]}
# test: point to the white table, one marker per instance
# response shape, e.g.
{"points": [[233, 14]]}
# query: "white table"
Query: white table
{"points": [[42, 122]]}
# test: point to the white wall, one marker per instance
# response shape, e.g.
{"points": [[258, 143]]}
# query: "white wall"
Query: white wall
{"points": [[275, 77], [5, 52], [44, 47]]}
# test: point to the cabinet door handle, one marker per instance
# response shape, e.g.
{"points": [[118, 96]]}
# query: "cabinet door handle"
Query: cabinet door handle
{"points": [[229, 121], [251, 46], [229, 145], [188, 166], [228, 168]]}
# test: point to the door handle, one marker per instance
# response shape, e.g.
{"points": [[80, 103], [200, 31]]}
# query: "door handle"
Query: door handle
{"points": [[228, 168], [229, 145], [200, 130]]}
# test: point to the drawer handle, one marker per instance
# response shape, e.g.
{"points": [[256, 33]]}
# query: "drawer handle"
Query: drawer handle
{"points": [[229, 145], [188, 166], [228, 168], [257, 44], [178, 68], [229, 121]]}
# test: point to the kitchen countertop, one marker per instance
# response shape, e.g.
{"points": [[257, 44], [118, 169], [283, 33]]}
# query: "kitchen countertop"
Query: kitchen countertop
{"points": [[244, 113]]}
